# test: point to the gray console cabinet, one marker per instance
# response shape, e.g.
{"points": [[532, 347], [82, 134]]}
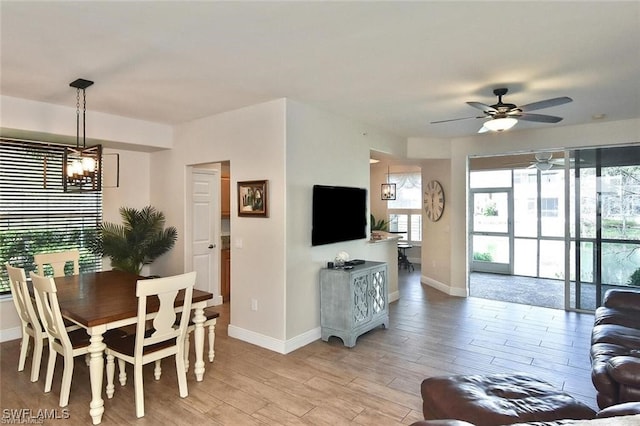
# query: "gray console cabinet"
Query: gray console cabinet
{"points": [[353, 301]]}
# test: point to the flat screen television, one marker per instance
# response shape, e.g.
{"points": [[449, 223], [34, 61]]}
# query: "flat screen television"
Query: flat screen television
{"points": [[339, 214]]}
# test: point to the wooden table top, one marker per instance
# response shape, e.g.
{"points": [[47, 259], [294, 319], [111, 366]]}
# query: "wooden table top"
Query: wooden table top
{"points": [[96, 298]]}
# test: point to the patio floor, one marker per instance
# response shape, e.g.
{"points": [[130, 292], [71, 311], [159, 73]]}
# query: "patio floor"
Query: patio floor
{"points": [[528, 290]]}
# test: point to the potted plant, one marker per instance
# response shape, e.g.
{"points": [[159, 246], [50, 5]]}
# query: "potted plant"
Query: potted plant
{"points": [[140, 240]]}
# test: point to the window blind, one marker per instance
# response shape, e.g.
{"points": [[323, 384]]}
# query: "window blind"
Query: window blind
{"points": [[36, 215]]}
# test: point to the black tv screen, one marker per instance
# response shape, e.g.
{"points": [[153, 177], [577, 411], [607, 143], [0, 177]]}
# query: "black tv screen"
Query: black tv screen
{"points": [[339, 214]]}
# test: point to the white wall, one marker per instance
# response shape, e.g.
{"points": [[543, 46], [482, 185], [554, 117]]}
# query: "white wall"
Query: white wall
{"points": [[253, 140], [325, 149], [293, 146], [600, 134]]}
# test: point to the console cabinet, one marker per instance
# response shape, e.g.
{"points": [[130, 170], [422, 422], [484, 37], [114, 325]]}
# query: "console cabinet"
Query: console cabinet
{"points": [[353, 301]]}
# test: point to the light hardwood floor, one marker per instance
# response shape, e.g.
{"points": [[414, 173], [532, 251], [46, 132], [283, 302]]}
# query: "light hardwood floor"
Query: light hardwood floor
{"points": [[375, 383]]}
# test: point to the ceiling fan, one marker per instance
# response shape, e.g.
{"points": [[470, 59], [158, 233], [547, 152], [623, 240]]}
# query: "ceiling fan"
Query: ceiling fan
{"points": [[503, 116], [544, 161]]}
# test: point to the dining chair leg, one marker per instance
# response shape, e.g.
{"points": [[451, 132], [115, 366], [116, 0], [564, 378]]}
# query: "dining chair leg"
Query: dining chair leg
{"points": [[123, 372], [111, 372], [51, 365], [37, 358], [212, 338], [137, 374], [182, 375], [157, 371], [67, 374], [186, 352], [24, 348]]}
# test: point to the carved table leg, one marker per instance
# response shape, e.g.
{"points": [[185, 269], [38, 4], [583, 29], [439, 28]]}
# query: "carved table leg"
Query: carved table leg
{"points": [[198, 334], [96, 370]]}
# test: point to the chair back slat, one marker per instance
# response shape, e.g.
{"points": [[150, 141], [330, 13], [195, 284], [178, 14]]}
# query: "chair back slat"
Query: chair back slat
{"points": [[166, 290], [21, 298], [57, 261], [49, 309]]}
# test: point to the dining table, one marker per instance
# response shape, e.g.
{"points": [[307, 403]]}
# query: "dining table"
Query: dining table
{"points": [[101, 301]]}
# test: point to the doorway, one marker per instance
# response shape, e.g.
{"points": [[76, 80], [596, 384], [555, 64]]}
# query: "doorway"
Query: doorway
{"points": [[203, 230]]}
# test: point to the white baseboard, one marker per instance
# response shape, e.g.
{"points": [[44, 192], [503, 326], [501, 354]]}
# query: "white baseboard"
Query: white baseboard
{"points": [[10, 334], [394, 296], [451, 291], [280, 346]]}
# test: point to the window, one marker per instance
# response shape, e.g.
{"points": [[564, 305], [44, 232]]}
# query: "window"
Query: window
{"points": [[36, 215], [405, 212]]}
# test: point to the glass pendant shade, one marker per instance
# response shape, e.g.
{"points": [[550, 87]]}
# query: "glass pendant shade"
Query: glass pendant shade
{"points": [[388, 191], [82, 169], [500, 124]]}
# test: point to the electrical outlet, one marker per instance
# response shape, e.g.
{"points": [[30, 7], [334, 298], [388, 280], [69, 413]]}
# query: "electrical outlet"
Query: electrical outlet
{"points": [[254, 304]]}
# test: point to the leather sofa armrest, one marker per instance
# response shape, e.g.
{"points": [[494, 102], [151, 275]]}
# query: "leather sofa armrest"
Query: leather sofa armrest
{"points": [[625, 369], [622, 299]]}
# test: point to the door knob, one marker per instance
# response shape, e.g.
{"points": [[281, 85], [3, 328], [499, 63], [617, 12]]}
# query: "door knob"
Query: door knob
{"points": [[211, 246]]}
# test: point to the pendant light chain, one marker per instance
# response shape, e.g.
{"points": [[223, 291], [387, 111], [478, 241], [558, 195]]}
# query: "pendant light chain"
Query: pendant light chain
{"points": [[84, 118], [77, 118]]}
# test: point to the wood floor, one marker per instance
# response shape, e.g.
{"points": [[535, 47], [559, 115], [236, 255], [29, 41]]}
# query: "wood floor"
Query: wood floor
{"points": [[375, 383]]}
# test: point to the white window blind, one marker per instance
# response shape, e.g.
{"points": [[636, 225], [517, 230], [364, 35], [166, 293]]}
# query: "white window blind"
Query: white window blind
{"points": [[36, 215], [405, 212]]}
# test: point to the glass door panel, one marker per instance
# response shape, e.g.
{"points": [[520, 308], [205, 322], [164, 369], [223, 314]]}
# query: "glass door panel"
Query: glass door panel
{"points": [[491, 232], [606, 187]]}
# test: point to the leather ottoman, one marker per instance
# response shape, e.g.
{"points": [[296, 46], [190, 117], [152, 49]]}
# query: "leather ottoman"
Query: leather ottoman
{"points": [[498, 399]]}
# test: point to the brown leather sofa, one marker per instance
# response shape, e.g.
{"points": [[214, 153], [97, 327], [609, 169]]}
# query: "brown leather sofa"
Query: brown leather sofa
{"points": [[615, 348], [627, 414]]}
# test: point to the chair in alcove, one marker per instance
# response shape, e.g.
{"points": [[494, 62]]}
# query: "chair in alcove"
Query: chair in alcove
{"points": [[57, 261], [30, 323], [164, 339]]}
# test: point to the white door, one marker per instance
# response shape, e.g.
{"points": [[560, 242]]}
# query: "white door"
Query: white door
{"points": [[205, 233]]}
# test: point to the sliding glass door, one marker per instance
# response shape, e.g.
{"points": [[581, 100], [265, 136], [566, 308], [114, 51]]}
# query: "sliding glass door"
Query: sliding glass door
{"points": [[604, 246]]}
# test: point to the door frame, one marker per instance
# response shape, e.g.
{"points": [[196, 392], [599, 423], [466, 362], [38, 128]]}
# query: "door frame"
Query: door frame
{"points": [[492, 267], [215, 170]]}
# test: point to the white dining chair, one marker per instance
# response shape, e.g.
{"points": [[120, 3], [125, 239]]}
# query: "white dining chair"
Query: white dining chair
{"points": [[68, 344], [30, 322], [210, 320], [164, 339], [57, 260]]}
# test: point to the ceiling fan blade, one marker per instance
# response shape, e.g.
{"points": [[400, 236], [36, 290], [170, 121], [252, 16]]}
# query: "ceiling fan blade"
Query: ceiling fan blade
{"points": [[545, 104], [453, 119], [482, 107], [540, 118]]}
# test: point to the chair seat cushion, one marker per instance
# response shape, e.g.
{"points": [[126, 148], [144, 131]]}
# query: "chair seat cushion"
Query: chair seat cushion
{"points": [[79, 338], [209, 314], [126, 345], [498, 399]]}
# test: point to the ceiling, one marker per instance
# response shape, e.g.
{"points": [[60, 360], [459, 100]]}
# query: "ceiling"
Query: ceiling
{"points": [[395, 65]]}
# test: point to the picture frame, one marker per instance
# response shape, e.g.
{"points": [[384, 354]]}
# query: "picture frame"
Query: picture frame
{"points": [[253, 198]]}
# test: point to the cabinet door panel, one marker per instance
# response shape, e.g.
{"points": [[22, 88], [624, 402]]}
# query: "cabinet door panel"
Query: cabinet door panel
{"points": [[361, 305]]}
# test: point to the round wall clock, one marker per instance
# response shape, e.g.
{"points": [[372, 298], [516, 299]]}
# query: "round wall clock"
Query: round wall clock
{"points": [[434, 200]]}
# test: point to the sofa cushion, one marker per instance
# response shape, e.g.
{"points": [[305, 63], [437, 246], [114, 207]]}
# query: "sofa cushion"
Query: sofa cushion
{"points": [[617, 335], [498, 399]]}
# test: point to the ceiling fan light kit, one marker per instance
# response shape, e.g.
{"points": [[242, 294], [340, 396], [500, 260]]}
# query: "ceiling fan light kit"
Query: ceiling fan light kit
{"points": [[503, 116], [500, 124]]}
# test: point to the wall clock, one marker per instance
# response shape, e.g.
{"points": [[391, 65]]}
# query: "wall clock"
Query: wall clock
{"points": [[434, 200]]}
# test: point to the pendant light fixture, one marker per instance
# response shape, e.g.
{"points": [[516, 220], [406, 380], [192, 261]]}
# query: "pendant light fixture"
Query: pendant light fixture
{"points": [[388, 190], [82, 166]]}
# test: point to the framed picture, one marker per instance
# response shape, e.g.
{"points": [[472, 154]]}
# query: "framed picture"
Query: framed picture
{"points": [[252, 198]]}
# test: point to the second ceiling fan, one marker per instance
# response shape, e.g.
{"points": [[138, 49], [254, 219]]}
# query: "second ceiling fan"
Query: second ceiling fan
{"points": [[503, 116]]}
